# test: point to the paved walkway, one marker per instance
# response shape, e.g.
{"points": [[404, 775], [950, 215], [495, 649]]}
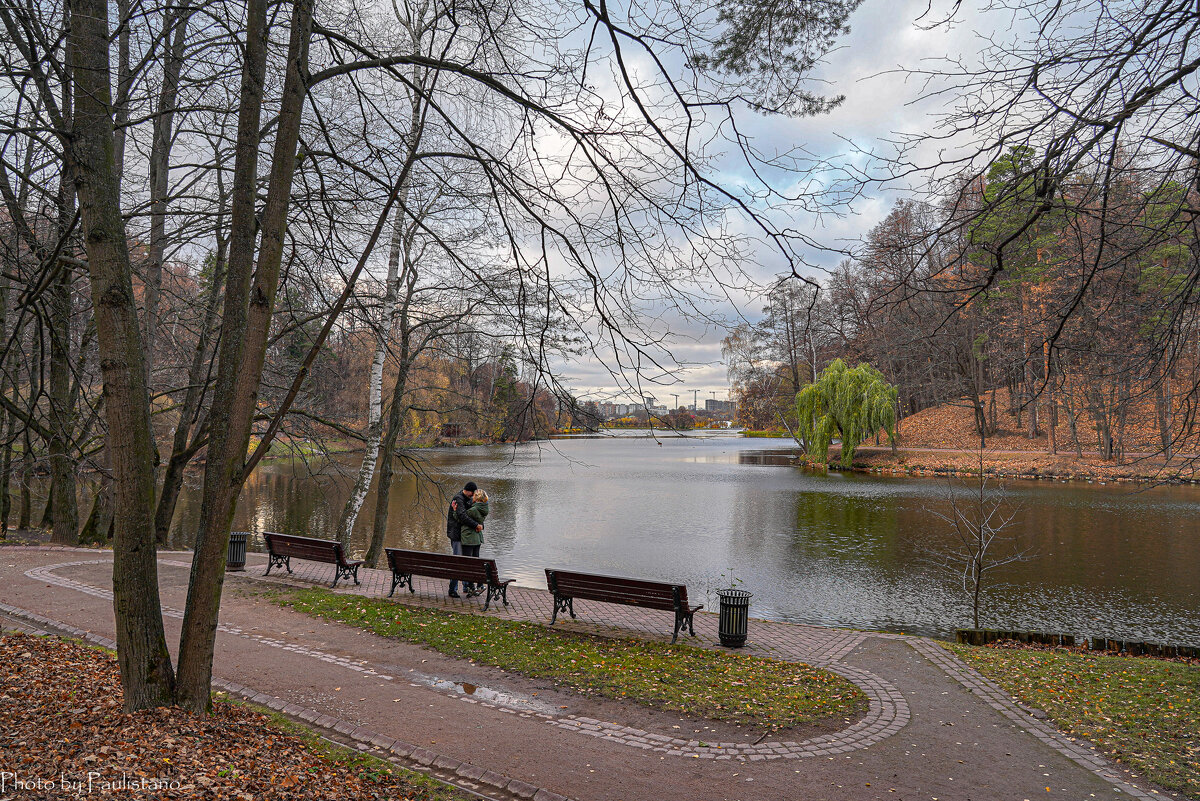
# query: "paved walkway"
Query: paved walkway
{"points": [[935, 728]]}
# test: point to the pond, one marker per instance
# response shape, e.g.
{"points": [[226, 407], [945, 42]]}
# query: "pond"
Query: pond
{"points": [[837, 549]]}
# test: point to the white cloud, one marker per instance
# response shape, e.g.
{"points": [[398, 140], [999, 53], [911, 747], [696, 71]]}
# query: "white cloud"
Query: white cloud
{"points": [[883, 100]]}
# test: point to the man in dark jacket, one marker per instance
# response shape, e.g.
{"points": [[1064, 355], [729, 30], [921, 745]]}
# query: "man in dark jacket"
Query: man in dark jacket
{"points": [[456, 518]]}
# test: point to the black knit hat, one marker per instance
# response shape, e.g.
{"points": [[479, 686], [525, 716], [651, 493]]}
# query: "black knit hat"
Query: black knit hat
{"points": [[470, 487]]}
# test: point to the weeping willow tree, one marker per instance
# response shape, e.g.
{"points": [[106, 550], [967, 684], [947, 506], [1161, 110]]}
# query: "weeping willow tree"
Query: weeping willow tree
{"points": [[853, 403]]}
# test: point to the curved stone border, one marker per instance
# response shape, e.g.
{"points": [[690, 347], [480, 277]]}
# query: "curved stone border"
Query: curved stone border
{"points": [[887, 713], [995, 697]]}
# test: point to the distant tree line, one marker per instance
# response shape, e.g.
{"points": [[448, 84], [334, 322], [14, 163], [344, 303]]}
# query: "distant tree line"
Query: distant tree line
{"points": [[1079, 318]]}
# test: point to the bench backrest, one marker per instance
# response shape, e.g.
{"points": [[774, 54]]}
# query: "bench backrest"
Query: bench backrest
{"points": [[305, 548], [441, 565], [615, 589]]}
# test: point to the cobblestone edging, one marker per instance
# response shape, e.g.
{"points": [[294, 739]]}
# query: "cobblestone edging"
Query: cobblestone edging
{"points": [[887, 713], [813, 645], [474, 778], [995, 697]]}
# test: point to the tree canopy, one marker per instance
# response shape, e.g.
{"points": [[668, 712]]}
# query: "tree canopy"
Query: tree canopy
{"points": [[853, 403]]}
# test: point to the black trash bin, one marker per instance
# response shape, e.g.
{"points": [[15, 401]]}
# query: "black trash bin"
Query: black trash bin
{"points": [[735, 617], [236, 560]]}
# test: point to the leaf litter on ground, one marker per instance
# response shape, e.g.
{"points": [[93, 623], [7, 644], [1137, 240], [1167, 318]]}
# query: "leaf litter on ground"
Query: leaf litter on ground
{"points": [[61, 717]]}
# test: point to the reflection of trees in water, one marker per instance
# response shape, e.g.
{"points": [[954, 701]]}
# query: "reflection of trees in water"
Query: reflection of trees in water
{"points": [[845, 527], [843, 548]]}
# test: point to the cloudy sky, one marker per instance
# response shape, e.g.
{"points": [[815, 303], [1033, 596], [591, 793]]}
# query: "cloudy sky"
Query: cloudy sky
{"points": [[887, 38]]}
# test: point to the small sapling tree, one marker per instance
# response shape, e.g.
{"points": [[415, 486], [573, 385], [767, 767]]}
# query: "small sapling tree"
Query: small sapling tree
{"points": [[983, 536]]}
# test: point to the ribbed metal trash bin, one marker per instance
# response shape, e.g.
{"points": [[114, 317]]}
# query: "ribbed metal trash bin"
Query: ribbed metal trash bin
{"points": [[735, 617], [236, 560]]}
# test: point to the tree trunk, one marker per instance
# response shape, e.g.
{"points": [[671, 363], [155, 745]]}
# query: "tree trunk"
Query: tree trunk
{"points": [[1031, 400], [394, 423], [25, 514], [1123, 393], [47, 519], [175, 21], [978, 578], [97, 530], [366, 471], [1104, 439], [391, 311], [120, 105], [7, 421], [244, 338], [183, 446], [65, 520], [1051, 403], [146, 675], [1163, 412], [396, 413], [6, 471]]}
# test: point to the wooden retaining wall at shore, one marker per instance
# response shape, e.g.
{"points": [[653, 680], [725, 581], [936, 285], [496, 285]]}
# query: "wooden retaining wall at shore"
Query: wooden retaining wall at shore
{"points": [[1105, 644]]}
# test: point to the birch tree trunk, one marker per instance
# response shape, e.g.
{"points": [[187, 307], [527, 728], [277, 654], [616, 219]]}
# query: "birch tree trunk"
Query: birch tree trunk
{"points": [[394, 423], [366, 471], [391, 306]]}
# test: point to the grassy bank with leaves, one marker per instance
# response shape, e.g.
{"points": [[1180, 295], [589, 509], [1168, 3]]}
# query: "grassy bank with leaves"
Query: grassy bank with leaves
{"points": [[679, 678], [1142, 712], [62, 717]]}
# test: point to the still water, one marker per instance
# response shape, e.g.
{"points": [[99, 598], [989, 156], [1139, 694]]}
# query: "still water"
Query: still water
{"points": [[836, 549]]}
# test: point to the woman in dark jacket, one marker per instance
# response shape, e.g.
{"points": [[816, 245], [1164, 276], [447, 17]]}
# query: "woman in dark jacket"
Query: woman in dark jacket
{"points": [[456, 519]]}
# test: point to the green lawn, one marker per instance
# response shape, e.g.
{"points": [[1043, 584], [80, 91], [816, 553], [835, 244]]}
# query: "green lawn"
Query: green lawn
{"points": [[681, 678], [1143, 712]]}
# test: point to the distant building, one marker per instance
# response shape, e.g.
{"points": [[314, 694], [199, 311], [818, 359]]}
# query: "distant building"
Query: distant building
{"points": [[720, 406]]}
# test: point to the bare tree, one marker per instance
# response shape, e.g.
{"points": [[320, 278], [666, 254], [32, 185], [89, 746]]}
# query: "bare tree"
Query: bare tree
{"points": [[981, 540]]}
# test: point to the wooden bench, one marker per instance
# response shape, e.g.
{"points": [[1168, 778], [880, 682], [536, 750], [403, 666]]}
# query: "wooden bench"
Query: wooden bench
{"points": [[567, 586], [470, 569], [282, 547]]}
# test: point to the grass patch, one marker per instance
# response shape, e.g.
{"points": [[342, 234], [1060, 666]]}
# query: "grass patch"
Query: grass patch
{"points": [[1143, 712], [680, 678], [765, 434]]}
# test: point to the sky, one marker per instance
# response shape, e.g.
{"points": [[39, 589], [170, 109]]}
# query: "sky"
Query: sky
{"points": [[887, 37]]}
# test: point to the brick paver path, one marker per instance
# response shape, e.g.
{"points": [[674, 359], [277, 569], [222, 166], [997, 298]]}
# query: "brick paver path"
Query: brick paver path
{"points": [[903, 748]]}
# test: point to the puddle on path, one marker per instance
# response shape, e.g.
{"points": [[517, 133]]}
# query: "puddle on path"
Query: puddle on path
{"points": [[520, 703]]}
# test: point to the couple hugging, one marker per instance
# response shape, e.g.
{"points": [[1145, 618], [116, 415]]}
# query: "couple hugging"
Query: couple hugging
{"points": [[464, 527]]}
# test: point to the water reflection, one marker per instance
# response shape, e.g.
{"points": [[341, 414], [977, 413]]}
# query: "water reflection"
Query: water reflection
{"points": [[833, 549]]}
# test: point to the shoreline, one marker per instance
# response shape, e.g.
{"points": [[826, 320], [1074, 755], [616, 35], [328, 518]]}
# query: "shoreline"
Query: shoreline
{"points": [[1027, 466]]}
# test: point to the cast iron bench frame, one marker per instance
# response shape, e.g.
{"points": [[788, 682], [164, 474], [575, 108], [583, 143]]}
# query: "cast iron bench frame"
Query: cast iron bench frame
{"points": [[282, 547], [473, 569], [567, 585]]}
